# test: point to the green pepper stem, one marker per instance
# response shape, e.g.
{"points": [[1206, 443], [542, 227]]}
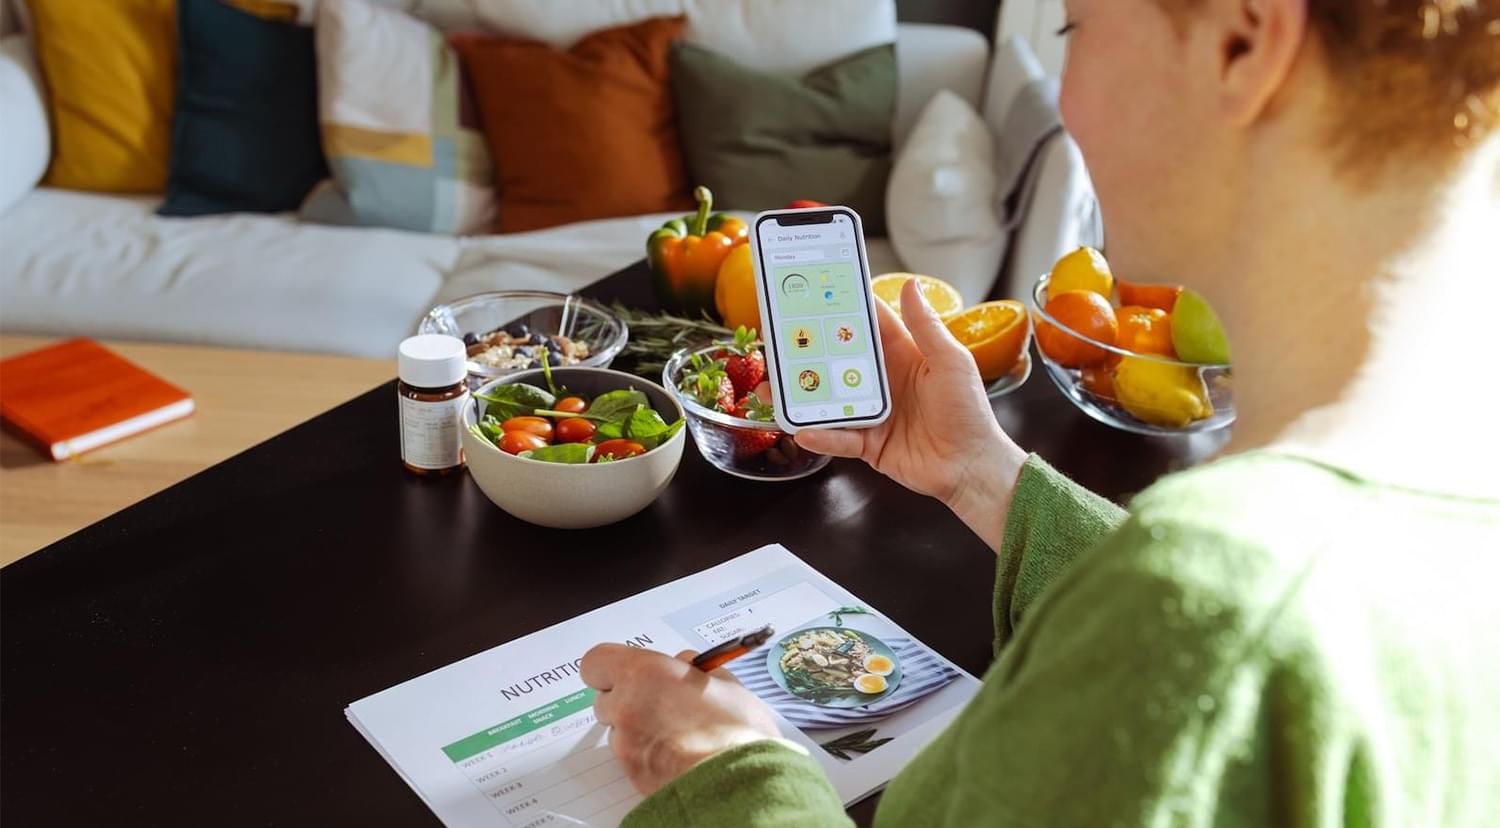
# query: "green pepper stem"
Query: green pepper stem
{"points": [[705, 203]]}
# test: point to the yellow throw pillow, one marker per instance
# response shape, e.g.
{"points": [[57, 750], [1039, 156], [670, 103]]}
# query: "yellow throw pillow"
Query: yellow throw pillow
{"points": [[110, 71]]}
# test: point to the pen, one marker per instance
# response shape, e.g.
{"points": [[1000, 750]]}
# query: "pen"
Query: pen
{"points": [[716, 657]]}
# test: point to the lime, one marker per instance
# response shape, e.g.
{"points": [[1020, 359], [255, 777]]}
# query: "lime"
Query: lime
{"points": [[1197, 334]]}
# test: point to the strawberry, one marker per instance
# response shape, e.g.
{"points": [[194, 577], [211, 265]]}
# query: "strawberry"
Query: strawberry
{"points": [[743, 361], [750, 442], [708, 384]]}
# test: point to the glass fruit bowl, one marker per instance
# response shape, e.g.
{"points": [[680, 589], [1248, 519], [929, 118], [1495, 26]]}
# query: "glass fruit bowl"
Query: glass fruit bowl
{"points": [[750, 449], [1162, 396], [532, 320]]}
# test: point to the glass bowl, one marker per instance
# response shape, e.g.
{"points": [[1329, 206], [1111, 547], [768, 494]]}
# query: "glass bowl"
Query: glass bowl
{"points": [[1216, 381], [527, 312], [719, 436]]}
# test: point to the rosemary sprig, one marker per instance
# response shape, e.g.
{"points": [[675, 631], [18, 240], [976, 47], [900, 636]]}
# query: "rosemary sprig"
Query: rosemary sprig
{"points": [[654, 336], [859, 741]]}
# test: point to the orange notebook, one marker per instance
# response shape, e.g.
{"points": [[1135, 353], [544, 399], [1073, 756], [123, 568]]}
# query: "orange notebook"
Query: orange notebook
{"points": [[76, 396]]}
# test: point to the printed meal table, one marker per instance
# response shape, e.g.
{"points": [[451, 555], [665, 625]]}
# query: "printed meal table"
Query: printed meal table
{"points": [[187, 660]]}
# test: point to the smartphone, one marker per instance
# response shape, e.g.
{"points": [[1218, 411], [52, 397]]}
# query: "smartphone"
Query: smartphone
{"points": [[817, 319]]}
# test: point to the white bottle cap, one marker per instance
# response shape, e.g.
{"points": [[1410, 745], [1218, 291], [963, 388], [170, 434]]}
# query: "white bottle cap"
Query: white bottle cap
{"points": [[431, 360]]}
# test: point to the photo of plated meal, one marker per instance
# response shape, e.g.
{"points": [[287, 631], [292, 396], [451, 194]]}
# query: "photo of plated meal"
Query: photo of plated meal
{"points": [[834, 667]]}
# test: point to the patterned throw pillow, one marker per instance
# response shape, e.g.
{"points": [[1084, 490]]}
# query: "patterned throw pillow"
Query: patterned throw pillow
{"points": [[398, 128]]}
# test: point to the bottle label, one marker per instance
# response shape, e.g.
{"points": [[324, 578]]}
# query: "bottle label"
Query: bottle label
{"points": [[430, 438]]}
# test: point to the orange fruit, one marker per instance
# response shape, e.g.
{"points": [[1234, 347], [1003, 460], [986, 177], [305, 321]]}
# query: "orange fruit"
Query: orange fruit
{"points": [[995, 333], [1148, 296], [1099, 380], [1145, 330], [735, 297], [1083, 269], [943, 297], [1082, 312]]}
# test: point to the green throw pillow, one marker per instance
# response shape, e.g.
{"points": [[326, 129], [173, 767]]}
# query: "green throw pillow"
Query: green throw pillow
{"points": [[245, 130], [760, 140]]}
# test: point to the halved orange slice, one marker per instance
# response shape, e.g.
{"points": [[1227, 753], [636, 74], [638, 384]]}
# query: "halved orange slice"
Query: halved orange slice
{"points": [[944, 298], [995, 333]]}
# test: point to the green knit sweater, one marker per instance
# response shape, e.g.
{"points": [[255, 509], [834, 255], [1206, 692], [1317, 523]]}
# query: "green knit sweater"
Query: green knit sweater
{"points": [[1262, 641]]}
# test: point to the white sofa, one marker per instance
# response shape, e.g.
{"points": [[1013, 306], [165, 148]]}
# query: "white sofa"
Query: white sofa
{"points": [[74, 263]]}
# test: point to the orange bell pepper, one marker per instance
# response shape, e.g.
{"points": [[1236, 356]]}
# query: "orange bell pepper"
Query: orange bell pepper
{"points": [[685, 255]]}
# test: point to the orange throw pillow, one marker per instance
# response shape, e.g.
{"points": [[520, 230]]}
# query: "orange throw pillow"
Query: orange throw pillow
{"points": [[586, 133]]}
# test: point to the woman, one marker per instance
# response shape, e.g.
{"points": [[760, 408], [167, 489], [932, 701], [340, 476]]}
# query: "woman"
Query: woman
{"points": [[1306, 632]]}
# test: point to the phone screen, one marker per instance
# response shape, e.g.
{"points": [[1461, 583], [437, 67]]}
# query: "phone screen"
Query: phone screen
{"points": [[822, 334]]}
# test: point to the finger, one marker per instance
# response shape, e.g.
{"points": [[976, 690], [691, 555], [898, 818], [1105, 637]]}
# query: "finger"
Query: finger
{"points": [[929, 332], [687, 655], [895, 340], [832, 441], [600, 668], [604, 708]]}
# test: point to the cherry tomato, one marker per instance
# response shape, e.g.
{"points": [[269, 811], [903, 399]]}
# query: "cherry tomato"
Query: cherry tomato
{"points": [[540, 426], [515, 442], [575, 430], [572, 405], [618, 449]]}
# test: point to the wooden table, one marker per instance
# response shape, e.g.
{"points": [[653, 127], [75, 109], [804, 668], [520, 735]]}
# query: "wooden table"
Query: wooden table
{"points": [[243, 397]]}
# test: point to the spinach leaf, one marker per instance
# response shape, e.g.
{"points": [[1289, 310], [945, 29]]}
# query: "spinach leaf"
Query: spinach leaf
{"points": [[576, 453], [488, 429], [646, 427], [609, 431], [515, 400], [617, 406]]}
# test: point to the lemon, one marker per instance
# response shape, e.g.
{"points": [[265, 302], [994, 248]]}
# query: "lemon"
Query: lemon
{"points": [[943, 297], [1161, 393], [1197, 334], [1083, 269]]}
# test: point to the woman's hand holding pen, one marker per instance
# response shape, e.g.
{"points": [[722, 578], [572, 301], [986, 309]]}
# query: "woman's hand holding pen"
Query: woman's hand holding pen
{"points": [[665, 716], [942, 439]]}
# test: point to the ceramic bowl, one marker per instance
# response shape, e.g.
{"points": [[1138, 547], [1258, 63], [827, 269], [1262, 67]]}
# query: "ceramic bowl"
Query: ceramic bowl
{"points": [[563, 496]]}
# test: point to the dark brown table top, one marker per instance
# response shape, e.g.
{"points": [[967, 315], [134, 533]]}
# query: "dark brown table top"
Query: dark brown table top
{"points": [[187, 660]]}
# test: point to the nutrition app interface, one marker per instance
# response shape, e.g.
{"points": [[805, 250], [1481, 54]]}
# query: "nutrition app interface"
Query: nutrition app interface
{"points": [[821, 321]]}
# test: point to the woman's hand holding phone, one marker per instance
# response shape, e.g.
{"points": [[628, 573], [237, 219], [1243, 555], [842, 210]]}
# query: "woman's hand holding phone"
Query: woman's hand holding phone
{"points": [[941, 439]]}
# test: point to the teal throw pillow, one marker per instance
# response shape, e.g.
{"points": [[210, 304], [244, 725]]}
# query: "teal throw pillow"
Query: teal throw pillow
{"points": [[245, 126]]}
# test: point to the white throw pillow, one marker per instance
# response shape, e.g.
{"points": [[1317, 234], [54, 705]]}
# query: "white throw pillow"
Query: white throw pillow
{"points": [[939, 204], [25, 142]]}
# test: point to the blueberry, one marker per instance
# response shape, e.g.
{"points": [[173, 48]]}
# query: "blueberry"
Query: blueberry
{"points": [[470, 339], [537, 339], [553, 346], [535, 363], [518, 330]]}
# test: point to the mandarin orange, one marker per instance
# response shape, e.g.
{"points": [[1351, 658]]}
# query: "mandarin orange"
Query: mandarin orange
{"points": [[1083, 313]]}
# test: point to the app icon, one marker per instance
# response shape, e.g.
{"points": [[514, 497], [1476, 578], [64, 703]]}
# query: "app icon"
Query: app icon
{"points": [[844, 334], [802, 338], [809, 380], [848, 411], [852, 377]]}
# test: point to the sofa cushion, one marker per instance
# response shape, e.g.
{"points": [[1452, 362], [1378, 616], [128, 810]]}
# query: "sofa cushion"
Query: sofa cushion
{"points": [[586, 133], [399, 131], [941, 203], [24, 113], [760, 140], [245, 133], [571, 257], [108, 68], [105, 266]]}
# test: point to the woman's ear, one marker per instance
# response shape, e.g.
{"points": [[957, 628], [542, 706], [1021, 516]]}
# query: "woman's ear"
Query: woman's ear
{"points": [[1257, 42]]}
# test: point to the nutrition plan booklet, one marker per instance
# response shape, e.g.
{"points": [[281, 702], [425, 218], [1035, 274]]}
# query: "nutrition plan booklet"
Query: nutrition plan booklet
{"points": [[507, 737]]}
